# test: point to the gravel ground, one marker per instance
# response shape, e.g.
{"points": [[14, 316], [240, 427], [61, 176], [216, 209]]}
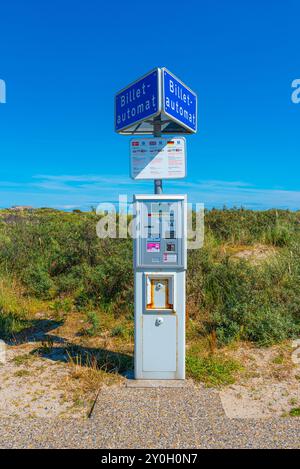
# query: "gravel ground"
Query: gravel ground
{"points": [[188, 417]]}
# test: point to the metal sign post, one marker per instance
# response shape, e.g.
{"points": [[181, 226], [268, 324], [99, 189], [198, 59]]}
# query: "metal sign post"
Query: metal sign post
{"points": [[158, 188], [156, 104]]}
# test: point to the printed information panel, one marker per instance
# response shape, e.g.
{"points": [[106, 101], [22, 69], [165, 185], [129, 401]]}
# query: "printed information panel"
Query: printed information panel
{"points": [[158, 158]]}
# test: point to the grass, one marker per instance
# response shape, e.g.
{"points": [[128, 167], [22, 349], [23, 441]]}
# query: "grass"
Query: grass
{"points": [[293, 401], [91, 377], [21, 373], [21, 360], [295, 412], [213, 369], [85, 380], [93, 321], [14, 298], [16, 307], [279, 359], [118, 331], [11, 324]]}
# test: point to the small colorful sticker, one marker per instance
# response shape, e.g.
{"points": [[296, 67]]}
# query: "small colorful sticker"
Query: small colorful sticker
{"points": [[169, 257], [153, 247]]}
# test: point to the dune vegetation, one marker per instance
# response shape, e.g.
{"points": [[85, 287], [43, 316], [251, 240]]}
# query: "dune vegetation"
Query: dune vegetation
{"points": [[55, 258]]}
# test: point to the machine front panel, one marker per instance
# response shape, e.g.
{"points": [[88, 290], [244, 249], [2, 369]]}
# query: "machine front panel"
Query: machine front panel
{"points": [[161, 234], [159, 343]]}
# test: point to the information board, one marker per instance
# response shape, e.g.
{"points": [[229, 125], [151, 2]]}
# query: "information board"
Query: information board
{"points": [[158, 158]]}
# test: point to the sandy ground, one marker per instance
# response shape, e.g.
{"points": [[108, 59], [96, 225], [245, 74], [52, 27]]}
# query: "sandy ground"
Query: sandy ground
{"points": [[269, 385], [38, 379], [43, 374], [31, 386], [35, 386], [256, 254]]}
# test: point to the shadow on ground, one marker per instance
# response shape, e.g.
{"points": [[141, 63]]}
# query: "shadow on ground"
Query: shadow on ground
{"points": [[37, 331], [96, 358], [58, 349]]}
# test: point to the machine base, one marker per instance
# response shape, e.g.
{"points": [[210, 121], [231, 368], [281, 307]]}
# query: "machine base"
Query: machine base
{"points": [[155, 383]]}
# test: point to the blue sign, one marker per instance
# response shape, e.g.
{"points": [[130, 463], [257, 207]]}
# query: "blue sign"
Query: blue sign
{"points": [[138, 101], [179, 102]]}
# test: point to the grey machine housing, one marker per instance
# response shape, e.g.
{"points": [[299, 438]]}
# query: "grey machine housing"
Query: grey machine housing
{"points": [[160, 261]]}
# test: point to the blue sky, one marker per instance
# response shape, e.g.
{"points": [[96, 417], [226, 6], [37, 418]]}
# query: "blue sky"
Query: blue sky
{"points": [[63, 61]]}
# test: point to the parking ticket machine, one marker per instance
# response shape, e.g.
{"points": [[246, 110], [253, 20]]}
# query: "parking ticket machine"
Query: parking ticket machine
{"points": [[160, 258]]}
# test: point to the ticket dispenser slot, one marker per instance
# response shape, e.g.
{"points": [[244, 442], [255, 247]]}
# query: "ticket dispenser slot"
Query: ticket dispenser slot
{"points": [[160, 292]]}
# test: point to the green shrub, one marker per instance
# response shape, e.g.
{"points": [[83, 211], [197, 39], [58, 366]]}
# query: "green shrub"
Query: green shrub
{"points": [[242, 301], [38, 281], [118, 331], [240, 226], [268, 326], [278, 235], [94, 323], [64, 305], [82, 300], [56, 254], [68, 283], [11, 324]]}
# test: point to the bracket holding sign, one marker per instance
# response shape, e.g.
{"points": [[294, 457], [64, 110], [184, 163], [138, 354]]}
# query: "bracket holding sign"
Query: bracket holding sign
{"points": [[158, 96]]}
